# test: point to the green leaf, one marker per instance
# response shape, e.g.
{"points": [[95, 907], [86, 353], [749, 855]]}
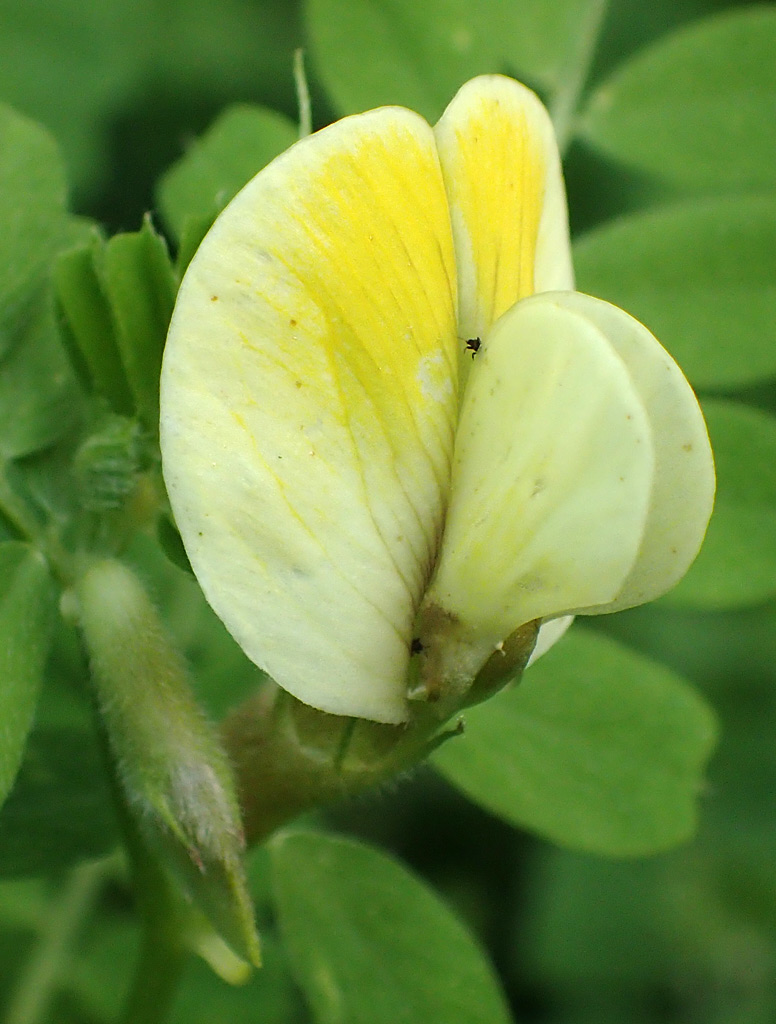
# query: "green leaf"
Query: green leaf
{"points": [[32, 211], [88, 327], [194, 230], [737, 563], [420, 54], [701, 275], [580, 909], [60, 810], [236, 147], [138, 75], [66, 65], [140, 284], [269, 996], [696, 107], [26, 607], [597, 749], [39, 400], [370, 944], [549, 40]]}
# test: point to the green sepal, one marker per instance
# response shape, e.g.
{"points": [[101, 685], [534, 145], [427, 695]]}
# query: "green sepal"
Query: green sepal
{"points": [[116, 300], [108, 463], [171, 543], [193, 231]]}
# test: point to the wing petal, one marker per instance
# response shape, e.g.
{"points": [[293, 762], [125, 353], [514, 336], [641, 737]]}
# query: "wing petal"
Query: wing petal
{"points": [[552, 476]]}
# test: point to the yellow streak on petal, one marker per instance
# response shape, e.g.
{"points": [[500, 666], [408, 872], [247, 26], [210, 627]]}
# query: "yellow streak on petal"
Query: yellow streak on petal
{"points": [[308, 408], [502, 174]]}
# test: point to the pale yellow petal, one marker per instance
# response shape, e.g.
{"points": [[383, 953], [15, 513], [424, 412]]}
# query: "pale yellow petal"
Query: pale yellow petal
{"points": [[551, 481], [308, 404], [683, 487], [507, 199]]}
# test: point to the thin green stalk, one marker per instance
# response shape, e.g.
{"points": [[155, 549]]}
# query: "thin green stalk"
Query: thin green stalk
{"points": [[157, 973], [565, 100], [162, 954], [302, 95], [51, 955], [16, 512]]}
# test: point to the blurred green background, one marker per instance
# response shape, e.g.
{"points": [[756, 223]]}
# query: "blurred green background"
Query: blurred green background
{"points": [[688, 936]]}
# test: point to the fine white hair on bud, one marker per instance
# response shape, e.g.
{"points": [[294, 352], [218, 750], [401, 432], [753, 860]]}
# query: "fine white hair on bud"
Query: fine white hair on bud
{"points": [[173, 769]]}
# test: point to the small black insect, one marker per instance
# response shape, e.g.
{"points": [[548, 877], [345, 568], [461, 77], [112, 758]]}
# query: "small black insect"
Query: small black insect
{"points": [[416, 646], [473, 346]]}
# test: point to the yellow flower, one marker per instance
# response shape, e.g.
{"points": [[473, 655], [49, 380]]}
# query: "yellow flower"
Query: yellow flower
{"points": [[355, 479]]}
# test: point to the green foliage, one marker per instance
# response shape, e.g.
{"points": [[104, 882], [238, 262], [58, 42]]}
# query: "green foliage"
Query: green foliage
{"points": [[421, 53], [737, 564], [59, 811], [32, 208], [597, 749], [38, 393], [216, 167], [269, 996], [598, 935], [370, 944], [25, 633], [696, 107], [82, 67], [701, 275]]}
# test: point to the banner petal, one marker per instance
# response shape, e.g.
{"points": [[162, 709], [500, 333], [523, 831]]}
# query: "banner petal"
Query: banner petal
{"points": [[308, 408]]}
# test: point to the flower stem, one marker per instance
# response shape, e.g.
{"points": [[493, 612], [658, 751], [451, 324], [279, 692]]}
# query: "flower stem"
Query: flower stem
{"points": [[15, 511], [302, 95], [162, 952], [565, 101], [50, 957], [155, 982]]}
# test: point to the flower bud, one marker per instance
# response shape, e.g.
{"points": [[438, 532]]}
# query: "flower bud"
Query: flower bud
{"points": [[174, 772]]}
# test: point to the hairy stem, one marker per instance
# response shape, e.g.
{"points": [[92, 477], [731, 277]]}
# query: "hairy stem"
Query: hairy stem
{"points": [[162, 953], [157, 973]]}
